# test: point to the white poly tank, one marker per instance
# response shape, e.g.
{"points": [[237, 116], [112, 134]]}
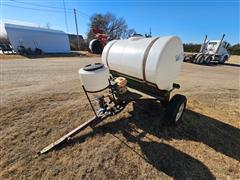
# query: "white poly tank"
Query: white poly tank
{"points": [[156, 60], [94, 77]]}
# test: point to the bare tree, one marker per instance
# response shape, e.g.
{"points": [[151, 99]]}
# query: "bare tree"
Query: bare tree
{"points": [[115, 28], [128, 33]]}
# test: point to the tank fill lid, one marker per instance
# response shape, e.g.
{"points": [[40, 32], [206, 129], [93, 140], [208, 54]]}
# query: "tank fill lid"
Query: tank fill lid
{"points": [[93, 67]]}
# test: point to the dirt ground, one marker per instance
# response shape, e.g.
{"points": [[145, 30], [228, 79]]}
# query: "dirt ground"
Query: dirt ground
{"points": [[42, 99]]}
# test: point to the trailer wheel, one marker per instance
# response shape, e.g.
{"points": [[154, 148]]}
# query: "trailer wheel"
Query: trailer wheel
{"points": [[175, 109]]}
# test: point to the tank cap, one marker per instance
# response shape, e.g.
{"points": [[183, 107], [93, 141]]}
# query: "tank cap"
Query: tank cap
{"points": [[93, 67]]}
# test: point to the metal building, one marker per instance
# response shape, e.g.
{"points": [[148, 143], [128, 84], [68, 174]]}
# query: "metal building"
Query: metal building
{"points": [[48, 40]]}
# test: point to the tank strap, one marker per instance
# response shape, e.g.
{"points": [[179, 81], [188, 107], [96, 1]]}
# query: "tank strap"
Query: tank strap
{"points": [[145, 58], [107, 53]]}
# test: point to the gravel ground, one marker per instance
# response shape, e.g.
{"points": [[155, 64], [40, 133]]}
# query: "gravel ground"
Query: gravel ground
{"points": [[42, 99]]}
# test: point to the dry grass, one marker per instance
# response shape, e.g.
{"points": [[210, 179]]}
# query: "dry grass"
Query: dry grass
{"points": [[42, 100]]}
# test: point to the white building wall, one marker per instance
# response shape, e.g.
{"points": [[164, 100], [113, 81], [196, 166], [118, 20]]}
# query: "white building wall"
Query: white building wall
{"points": [[49, 41]]}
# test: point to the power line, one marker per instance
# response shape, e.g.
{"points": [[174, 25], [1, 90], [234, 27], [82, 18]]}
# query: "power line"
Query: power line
{"points": [[80, 13], [46, 10], [40, 5], [53, 10], [65, 15], [33, 8]]}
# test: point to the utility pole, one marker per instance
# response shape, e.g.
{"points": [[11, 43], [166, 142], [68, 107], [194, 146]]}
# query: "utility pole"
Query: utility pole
{"points": [[75, 15]]}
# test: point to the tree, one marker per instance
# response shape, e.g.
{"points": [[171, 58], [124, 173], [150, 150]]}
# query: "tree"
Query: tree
{"points": [[115, 28], [235, 49], [128, 33], [232, 49], [190, 47]]}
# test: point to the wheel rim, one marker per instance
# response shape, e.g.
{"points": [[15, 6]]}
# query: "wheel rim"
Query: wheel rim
{"points": [[180, 112]]}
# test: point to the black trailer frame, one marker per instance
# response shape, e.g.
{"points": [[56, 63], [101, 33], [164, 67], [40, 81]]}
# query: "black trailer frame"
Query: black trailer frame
{"points": [[140, 85]]}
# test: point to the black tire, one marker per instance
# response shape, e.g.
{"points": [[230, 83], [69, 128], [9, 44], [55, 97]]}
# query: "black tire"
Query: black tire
{"points": [[224, 60], [185, 59], [97, 47], [195, 59], [200, 59], [172, 115], [208, 59]]}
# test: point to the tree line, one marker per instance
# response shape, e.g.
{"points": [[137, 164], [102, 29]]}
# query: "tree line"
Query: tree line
{"points": [[232, 49]]}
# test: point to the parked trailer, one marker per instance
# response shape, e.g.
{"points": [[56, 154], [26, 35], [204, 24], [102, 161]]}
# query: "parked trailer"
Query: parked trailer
{"points": [[210, 51], [148, 65]]}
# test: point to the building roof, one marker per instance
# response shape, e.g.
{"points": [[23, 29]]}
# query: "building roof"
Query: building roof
{"points": [[32, 28]]}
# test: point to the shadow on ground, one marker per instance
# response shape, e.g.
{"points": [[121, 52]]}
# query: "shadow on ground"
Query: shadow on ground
{"points": [[214, 64], [54, 55], [147, 115], [231, 64]]}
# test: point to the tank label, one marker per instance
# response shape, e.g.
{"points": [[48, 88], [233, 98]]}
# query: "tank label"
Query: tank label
{"points": [[179, 57]]}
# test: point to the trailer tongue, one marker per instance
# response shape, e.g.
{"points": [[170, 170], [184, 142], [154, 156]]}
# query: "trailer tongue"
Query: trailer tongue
{"points": [[69, 135]]}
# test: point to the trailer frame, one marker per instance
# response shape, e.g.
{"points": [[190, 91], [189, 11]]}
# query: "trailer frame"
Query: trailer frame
{"points": [[119, 105]]}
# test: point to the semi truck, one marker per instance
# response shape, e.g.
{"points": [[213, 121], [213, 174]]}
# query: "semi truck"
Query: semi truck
{"points": [[210, 51]]}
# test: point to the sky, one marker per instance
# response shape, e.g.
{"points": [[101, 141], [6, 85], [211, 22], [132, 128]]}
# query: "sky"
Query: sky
{"points": [[188, 19]]}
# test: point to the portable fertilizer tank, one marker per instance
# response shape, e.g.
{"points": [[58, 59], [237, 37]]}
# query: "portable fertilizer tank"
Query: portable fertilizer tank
{"points": [[149, 65], [95, 77], [152, 60]]}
